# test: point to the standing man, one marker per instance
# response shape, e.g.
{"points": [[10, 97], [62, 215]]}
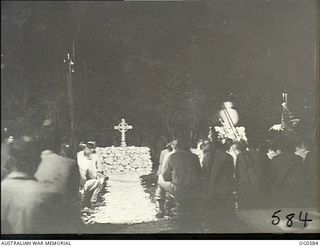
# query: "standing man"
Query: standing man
{"points": [[207, 160], [5, 166], [59, 174], [26, 206]]}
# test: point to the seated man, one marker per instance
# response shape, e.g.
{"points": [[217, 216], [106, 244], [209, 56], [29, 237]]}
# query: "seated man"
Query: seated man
{"points": [[90, 180], [219, 184], [182, 176], [98, 164], [288, 173], [161, 193]]}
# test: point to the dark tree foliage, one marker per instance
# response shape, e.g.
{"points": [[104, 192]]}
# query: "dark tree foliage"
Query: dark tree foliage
{"points": [[161, 66]]}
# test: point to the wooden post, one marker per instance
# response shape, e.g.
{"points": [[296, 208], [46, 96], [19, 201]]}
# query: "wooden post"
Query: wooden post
{"points": [[70, 102]]}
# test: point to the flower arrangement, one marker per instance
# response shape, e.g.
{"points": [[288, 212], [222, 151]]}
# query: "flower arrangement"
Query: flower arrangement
{"points": [[122, 159], [226, 132]]}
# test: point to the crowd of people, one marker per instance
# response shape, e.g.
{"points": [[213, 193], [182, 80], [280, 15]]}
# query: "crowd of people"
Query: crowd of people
{"points": [[232, 175], [43, 191], [40, 187]]}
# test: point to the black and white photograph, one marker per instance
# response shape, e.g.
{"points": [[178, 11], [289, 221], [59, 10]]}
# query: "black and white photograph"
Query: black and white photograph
{"points": [[160, 119]]}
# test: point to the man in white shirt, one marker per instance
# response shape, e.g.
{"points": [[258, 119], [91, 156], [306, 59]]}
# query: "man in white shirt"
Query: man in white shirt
{"points": [[59, 174], [26, 205], [90, 179], [160, 192]]}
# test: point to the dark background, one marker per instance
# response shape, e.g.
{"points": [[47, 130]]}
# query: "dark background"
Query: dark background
{"points": [[160, 65]]}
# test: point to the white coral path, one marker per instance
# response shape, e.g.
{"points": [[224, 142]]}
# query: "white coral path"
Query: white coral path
{"points": [[126, 201]]}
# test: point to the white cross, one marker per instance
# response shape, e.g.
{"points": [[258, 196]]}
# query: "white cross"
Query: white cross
{"points": [[123, 127]]}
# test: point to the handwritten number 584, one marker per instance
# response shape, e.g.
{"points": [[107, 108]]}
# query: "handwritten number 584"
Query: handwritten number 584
{"points": [[276, 218]]}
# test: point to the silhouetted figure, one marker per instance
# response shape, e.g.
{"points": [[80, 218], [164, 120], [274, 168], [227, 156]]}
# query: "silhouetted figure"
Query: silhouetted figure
{"points": [[288, 177], [182, 178], [59, 174], [218, 190], [250, 176], [160, 194], [207, 160], [312, 167], [27, 206], [5, 165]]}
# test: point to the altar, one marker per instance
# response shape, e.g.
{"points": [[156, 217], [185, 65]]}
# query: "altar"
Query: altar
{"points": [[125, 159], [126, 199]]}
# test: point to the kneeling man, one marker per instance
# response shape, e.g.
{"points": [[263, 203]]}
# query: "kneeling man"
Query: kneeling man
{"points": [[90, 179]]}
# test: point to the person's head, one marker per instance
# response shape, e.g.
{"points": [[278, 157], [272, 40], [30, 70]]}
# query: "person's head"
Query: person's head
{"points": [[49, 138], [273, 150], [24, 155], [169, 146], [82, 146], [200, 143], [10, 139], [91, 144], [88, 150], [206, 145], [241, 146], [180, 143], [264, 146], [65, 150], [228, 143]]}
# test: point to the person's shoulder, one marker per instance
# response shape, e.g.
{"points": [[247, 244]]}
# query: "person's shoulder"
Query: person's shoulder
{"points": [[220, 153], [167, 153], [228, 157], [297, 158], [66, 161], [242, 154], [279, 156], [253, 152], [45, 193], [193, 155], [4, 184], [171, 155], [289, 156], [28, 189], [164, 151], [311, 155], [9, 180]]}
